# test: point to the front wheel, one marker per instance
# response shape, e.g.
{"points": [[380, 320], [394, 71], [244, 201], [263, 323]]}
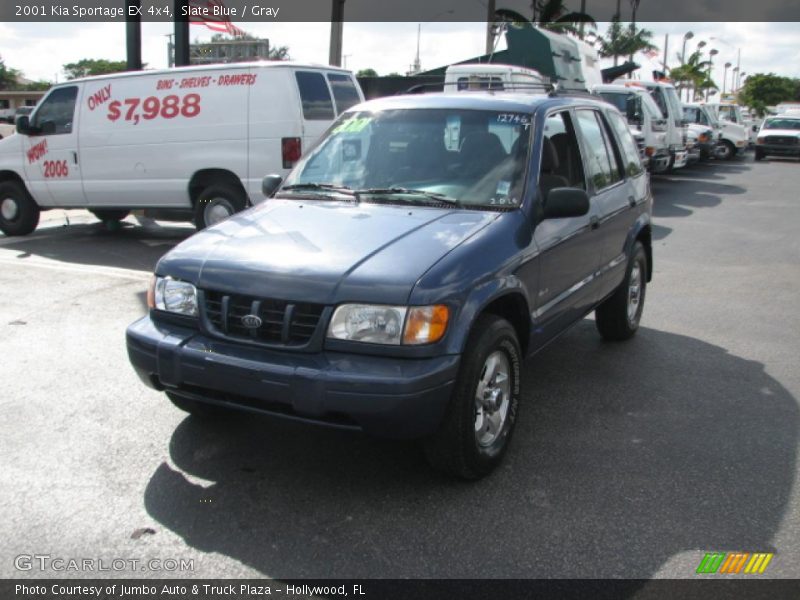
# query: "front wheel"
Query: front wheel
{"points": [[617, 318], [759, 154], [19, 213], [726, 150], [216, 203], [483, 408]]}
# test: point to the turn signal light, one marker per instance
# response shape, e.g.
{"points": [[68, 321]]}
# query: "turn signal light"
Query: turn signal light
{"points": [[426, 324], [290, 151]]}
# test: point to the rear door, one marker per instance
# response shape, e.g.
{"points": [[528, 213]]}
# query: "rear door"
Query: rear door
{"points": [[52, 159], [609, 191], [316, 104], [619, 206]]}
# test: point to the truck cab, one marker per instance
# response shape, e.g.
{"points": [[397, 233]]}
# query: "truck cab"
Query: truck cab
{"points": [[481, 76], [644, 119], [735, 134], [666, 97]]}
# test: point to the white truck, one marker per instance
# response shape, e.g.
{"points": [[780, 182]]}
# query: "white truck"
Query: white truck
{"points": [[186, 142], [644, 118], [736, 133], [666, 97], [489, 76]]}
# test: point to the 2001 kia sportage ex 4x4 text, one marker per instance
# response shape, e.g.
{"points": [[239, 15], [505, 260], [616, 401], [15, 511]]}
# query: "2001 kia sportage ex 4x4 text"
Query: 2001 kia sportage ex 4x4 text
{"points": [[396, 280]]}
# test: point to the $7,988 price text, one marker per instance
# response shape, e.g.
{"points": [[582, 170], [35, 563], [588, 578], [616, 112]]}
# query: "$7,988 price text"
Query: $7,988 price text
{"points": [[152, 107]]}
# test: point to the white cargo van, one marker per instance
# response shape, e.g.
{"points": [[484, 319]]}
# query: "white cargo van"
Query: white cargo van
{"points": [[186, 142]]}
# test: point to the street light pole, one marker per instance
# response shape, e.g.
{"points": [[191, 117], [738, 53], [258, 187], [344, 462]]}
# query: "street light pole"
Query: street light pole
{"points": [[725, 77], [687, 36], [712, 53]]}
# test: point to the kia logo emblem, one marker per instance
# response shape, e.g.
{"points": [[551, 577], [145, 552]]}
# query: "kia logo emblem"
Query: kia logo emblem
{"points": [[251, 321]]}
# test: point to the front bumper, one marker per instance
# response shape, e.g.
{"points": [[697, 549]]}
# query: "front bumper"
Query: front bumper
{"points": [[681, 158], [777, 150], [385, 396]]}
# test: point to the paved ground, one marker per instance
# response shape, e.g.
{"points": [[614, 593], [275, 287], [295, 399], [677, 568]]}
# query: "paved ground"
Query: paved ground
{"points": [[630, 460]]}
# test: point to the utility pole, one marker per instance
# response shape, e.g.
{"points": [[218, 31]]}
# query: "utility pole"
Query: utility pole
{"points": [[182, 57], [490, 10], [337, 29], [666, 49]]}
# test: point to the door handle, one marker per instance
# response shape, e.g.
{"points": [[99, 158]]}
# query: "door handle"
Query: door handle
{"points": [[594, 222], [74, 157], [632, 201]]}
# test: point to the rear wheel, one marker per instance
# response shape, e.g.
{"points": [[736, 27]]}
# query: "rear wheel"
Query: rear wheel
{"points": [[19, 214], [216, 203], [193, 407], [483, 408], [617, 318]]}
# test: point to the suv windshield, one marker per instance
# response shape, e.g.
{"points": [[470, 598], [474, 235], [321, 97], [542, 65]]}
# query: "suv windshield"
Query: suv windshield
{"points": [[782, 124], [474, 158]]}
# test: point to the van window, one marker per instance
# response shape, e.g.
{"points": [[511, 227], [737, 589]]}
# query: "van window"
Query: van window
{"points": [[344, 92], [477, 82], [314, 94], [56, 112]]}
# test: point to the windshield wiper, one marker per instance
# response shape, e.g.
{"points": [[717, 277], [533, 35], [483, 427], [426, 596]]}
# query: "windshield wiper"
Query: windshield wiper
{"points": [[433, 196], [320, 187]]}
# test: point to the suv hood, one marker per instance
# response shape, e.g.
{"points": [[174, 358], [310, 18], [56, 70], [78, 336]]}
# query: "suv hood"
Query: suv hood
{"points": [[322, 251]]}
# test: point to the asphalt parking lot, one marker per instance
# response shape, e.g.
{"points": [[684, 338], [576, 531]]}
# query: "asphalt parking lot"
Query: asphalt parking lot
{"points": [[629, 460]]}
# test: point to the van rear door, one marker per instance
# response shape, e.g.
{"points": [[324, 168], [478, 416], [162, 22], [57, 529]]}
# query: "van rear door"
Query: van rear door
{"points": [[52, 162], [317, 105]]}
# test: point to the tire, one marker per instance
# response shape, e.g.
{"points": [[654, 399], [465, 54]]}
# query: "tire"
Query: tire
{"points": [[759, 154], [110, 214], [726, 150], [201, 410], [216, 203], [457, 448], [19, 213], [617, 318]]}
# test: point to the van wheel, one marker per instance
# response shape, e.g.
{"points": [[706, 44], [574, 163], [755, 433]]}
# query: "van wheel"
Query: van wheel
{"points": [[726, 150], [483, 408], [617, 318], [216, 203], [19, 213], [106, 215], [201, 410]]}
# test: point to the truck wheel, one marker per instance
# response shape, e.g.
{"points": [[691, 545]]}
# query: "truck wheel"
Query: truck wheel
{"points": [[106, 215], [759, 154], [726, 150], [617, 318], [201, 410], [19, 213], [480, 417], [216, 203]]}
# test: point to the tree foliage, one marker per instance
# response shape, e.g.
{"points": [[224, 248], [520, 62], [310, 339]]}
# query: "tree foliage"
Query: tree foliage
{"points": [[8, 76], [548, 14], [367, 73], [693, 74], [621, 40], [767, 89], [91, 66]]}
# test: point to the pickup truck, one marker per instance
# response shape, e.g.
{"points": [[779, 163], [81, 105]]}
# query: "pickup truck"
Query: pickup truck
{"points": [[397, 279]]}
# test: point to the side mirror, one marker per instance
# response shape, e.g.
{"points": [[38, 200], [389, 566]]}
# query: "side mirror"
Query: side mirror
{"points": [[566, 202], [23, 125], [270, 184]]}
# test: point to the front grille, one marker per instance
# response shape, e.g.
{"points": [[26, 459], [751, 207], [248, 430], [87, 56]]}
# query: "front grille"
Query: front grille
{"points": [[282, 322], [781, 140]]}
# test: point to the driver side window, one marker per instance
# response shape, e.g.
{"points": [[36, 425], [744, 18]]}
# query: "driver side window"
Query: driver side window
{"points": [[55, 115]]}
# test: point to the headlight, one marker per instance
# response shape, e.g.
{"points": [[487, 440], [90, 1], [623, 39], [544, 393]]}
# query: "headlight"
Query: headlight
{"points": [[703, 137], [172, 295], [760, 140], [392, 325]]}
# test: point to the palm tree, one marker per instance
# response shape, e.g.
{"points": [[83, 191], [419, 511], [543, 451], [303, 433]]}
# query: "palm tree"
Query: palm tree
{"points": [[622, 41], [548, 14], [692, 75]]}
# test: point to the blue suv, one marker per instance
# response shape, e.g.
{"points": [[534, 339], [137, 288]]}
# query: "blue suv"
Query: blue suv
{"points": [[394, 283]]}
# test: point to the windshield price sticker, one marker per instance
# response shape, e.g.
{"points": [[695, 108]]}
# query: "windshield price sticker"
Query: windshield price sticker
{"points": [[356, 125], [514, 119]]}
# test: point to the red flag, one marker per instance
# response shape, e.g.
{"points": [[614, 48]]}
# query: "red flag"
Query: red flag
{"points": [[218, 23]]}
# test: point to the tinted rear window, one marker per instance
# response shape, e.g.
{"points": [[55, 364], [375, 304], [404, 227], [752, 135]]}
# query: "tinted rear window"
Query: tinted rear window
{"points": [[344, 91], [317, 104]]}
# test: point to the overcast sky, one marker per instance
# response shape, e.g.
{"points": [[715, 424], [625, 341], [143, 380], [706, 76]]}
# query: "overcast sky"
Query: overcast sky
{"points": [[40, 49]]}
